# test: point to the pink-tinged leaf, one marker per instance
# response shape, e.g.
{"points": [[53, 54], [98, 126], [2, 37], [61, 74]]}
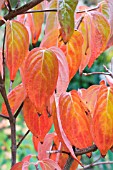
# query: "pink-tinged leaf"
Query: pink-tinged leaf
{"points": [[15, 97], [73, 52], [90, 93], [38, 124], [23, 165], [17, 43], [48, 164], [50, 39], [96, 32], [63, 77], [2, 3], [61, 134], [73, 114], [1, 64], [51, 17], [66, 18], [102, 123], [46, 146], [36, 23], [40, 75]]}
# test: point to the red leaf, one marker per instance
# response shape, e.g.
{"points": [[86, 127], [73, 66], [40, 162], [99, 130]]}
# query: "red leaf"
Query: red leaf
{"points": [[46, 146], [17, 166], [73, 114], [73, 52], [15, 52], [41, 74], [38, 124], [35, 142], [15, 97]]}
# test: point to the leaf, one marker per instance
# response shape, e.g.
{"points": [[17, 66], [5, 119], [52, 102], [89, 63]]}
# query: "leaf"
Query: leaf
{"points": [[60, 131], [102, 125], [63, 77], [49, 164], [89, 96], [41, 74], [46, 146], [96, 31], [72, 113], [2, 3], [66, 18], [15, 98], [36, 23], [38, 124], [35, 142], [23, 165], [17, 43], [73, 52], [51, 18]]}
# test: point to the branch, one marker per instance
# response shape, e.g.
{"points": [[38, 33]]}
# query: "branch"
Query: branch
{"points": [[22, 138], [3, 55], [3, 116], [96, 164], [20, 10], [87, 10], [9, 5], [68, 163], [18, 111], [106, 69], [93, 73], [44, 10]]}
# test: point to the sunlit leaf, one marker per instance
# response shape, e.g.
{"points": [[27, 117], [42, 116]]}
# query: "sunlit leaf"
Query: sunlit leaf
{"points": [[36, 25], [73, 52], [41, 74], [66, 18], [35, 142], [102, 127], [49, 164], [15, 97], [38, 124], [63, 77], [96, 32], [17, 43], [73, 114]]}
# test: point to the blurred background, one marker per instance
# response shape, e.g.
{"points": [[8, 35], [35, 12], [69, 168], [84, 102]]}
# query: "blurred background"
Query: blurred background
{"points": [[76, 83]]}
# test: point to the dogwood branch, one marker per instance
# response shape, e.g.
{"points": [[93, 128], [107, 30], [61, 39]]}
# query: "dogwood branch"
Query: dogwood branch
{"points": [[23, 138], [20, 10], [3, 116]]}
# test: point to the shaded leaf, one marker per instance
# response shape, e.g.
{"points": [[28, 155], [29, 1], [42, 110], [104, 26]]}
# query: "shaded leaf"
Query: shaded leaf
{"points": [[17, 43], [102, 127], [66, 18], [38, 124], [15, 97], [2, 3], [41, 74], [46, 146], [49, 164], [73, 114], [73, 52]]}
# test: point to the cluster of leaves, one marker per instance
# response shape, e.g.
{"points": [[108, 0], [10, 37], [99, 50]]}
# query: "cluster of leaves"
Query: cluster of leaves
{"points": [[72, 41]]}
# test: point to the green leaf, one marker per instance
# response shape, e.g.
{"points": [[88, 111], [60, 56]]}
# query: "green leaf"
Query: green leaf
{"points": [[66, 18]]}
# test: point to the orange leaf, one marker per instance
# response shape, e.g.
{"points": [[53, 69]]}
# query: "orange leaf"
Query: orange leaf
{"points": [[39, 125], [17, 43], [72, 113], [102, 127], [96, 32], [41, 74], [15, 97], [73, 52], [36, 23]]}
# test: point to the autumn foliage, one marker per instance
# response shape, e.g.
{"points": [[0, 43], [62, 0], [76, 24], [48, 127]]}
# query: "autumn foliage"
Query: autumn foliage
{"points": [[74, 37]]}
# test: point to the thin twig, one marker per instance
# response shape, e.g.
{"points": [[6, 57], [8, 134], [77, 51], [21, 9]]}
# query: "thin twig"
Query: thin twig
{"points": [[96, 164], [9, 5], [68, 163], [22, 138], [106, 69], [93, 73], [18, 111], [57, 151], [3, 55], [44, 10], [3, 116], [87, 10]]}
